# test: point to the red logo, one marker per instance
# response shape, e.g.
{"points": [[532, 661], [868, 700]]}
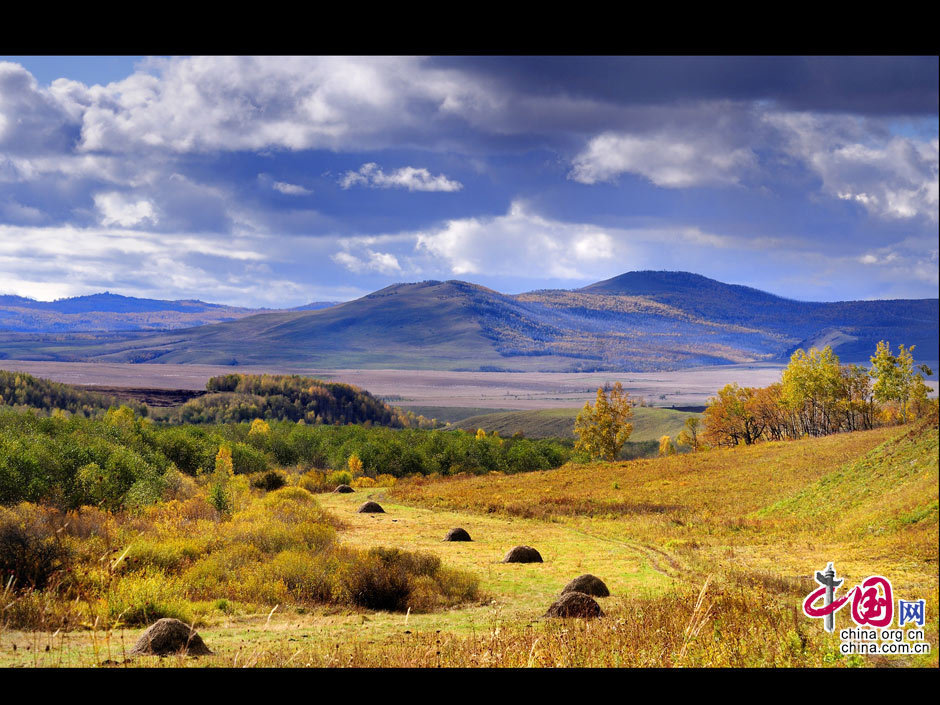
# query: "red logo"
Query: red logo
{"points": [[872, 601]]}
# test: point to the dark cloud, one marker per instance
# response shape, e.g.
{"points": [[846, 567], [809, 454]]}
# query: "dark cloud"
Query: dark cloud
{"points": [[888, 85]]}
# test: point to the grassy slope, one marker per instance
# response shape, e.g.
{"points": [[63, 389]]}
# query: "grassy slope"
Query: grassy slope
{"points": [[649, 423], [652, 529]]}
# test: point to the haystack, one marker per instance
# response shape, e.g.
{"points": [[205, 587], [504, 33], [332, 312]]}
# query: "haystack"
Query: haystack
{"points": [[523, 554], [344, 489], [371, 508], [575, 604], [457, 535], [170, 636], [589, 585]]}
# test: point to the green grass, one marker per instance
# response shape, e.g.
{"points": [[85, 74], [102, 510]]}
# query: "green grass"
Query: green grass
{"points": [[447, 414], [649, 423]]}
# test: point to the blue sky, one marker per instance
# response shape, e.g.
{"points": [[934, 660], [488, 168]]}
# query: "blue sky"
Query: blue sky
{"points": [[274, 181]]}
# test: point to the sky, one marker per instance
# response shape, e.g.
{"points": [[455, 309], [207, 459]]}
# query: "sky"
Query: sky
{"points": [[276, 181]]}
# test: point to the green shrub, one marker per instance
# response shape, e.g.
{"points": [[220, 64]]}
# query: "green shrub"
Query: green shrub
{"points": [[340, 477]]}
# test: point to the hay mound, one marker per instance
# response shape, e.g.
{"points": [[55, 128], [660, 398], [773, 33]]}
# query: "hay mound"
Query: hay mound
{"points": [[457, 535], [344, 489], [575, 604], [589, 585], [170, 636], [523, 554], [371, 508]]}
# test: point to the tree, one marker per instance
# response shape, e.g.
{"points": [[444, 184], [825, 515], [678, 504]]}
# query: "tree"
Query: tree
{"points": [[355, 465], [731, 417], [220, 492], [604, 428], [896, 380], [688, 436], [811, 389], [666, 447]]}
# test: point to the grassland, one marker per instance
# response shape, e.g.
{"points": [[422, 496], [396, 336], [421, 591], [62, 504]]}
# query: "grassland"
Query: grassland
{"points": [[708, 557], [649, 423]]}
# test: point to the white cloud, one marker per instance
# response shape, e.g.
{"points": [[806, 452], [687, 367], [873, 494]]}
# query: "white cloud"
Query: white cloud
{"points": [[290, 189], [250, 103], [892, 177], [123, 210], [409, 177], [368, 261], [520, 243], [668, 160]]}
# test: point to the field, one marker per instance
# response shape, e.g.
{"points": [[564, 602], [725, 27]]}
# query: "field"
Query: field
{"points": [[649, 423], [708, 557], [429, 388]]}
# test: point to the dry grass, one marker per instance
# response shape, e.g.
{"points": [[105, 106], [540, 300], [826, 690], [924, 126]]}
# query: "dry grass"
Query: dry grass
{"points": [[708, 558]]}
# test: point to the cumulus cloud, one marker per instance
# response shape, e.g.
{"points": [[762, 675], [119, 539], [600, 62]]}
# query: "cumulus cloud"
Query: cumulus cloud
{"points": [[891, 176], [368, 261], [409, 177], [123, 210], [251, 103], [668, 160], [521, 243], [31, 120]]}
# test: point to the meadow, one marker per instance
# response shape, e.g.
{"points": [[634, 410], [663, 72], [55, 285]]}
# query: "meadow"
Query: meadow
{"points": [[707, 556]]}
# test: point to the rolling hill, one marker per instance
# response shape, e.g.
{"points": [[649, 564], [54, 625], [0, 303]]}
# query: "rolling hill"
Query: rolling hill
{"points": [[639, 321], [107, 312]]}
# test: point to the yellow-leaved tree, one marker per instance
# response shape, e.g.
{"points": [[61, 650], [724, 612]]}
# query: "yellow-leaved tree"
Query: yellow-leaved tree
{"points": [[666, 447], [220, 489], [604, 428]]}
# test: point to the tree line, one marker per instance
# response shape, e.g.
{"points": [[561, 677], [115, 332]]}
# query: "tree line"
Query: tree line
{"points": [[124, 459], [234, 398], [818, 396]]}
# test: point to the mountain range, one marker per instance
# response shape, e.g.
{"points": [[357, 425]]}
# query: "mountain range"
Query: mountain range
{"points": [[113, 312], [638, 321]]}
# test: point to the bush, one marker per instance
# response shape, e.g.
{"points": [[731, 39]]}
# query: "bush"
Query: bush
{"points": [[29, 553], [247, 459], [142, 598], [313, 481], [377, 584], [340, 477], [270, 480]]}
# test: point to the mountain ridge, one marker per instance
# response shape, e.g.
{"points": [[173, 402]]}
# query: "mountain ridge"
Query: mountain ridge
{"points": [[638, 321]]}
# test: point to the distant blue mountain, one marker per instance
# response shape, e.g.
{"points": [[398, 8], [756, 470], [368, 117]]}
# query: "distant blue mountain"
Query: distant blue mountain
{"points": [[634, 322]]}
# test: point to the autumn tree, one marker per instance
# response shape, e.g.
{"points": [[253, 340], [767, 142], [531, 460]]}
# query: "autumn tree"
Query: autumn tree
{"points": [[858, 402], [811, 389], [666, 447], [604, 428], [897, 380], [731, 417], [689, 435], [220, 490]]}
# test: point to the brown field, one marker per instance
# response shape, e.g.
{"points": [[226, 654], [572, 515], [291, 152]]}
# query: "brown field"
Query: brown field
{"points": [[504, 390]]}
